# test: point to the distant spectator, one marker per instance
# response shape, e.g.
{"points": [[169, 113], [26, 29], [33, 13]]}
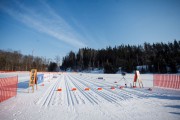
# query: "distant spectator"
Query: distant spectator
{"points": [[137, 78]]}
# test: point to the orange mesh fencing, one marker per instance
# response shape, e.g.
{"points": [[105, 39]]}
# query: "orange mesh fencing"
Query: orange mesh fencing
{"points": [[8, 87], [166, 81]]}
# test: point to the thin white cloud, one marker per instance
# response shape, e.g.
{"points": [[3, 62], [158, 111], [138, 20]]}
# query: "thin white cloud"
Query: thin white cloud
{"points": [[46, 21]]}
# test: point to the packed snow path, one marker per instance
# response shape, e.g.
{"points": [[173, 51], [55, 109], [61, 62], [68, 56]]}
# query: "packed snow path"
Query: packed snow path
{"points": [[80, 99], [92, 96]]}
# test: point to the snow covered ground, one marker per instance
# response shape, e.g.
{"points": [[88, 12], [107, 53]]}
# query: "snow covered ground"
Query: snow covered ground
{"points": [[47, 103]]}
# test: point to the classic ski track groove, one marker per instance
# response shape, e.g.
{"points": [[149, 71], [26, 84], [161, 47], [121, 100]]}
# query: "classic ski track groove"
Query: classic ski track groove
{"points": [[87, 96], [92, 97], [47, 96], [104, 95]]}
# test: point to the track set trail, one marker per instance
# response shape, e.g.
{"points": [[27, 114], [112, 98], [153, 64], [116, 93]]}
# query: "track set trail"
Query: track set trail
{"points": [[93, 96], [82, 96]]}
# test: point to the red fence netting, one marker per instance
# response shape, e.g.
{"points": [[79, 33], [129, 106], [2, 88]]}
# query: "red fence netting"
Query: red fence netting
{"points": [[166, 81], [8, 87]]}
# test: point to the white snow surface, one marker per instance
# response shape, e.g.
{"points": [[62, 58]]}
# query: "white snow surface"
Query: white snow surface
{"points": [[47, 103]]}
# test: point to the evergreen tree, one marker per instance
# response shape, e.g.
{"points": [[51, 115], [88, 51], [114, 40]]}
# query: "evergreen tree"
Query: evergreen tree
{"points": [[157, 57]]}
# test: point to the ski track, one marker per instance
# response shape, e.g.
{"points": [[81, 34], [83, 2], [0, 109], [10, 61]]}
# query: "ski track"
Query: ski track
{"points": [[107, 96], [69, 97], [48, 97], [117, 95], [107, 103], [72, 93], [92, 97], [129, 91], [57, 99], [86, 94], [117, 92]]}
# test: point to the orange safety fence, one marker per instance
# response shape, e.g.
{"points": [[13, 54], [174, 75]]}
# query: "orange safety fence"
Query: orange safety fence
{"points": [[166, 81], [6, 71], [8, 87]]}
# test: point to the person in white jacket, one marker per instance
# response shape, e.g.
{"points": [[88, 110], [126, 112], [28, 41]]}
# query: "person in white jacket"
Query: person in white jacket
{"points": [[137, 78]]}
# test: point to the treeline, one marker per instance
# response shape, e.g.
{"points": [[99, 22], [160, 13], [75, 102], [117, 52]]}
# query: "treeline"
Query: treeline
{"points": [[154, 58], [15, 61]]}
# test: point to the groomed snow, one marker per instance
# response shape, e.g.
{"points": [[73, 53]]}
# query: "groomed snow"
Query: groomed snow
{"points": [[47, 103]]}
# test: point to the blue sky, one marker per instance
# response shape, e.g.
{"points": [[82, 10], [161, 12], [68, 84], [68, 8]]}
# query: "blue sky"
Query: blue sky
{"points": [[52, 28]]}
